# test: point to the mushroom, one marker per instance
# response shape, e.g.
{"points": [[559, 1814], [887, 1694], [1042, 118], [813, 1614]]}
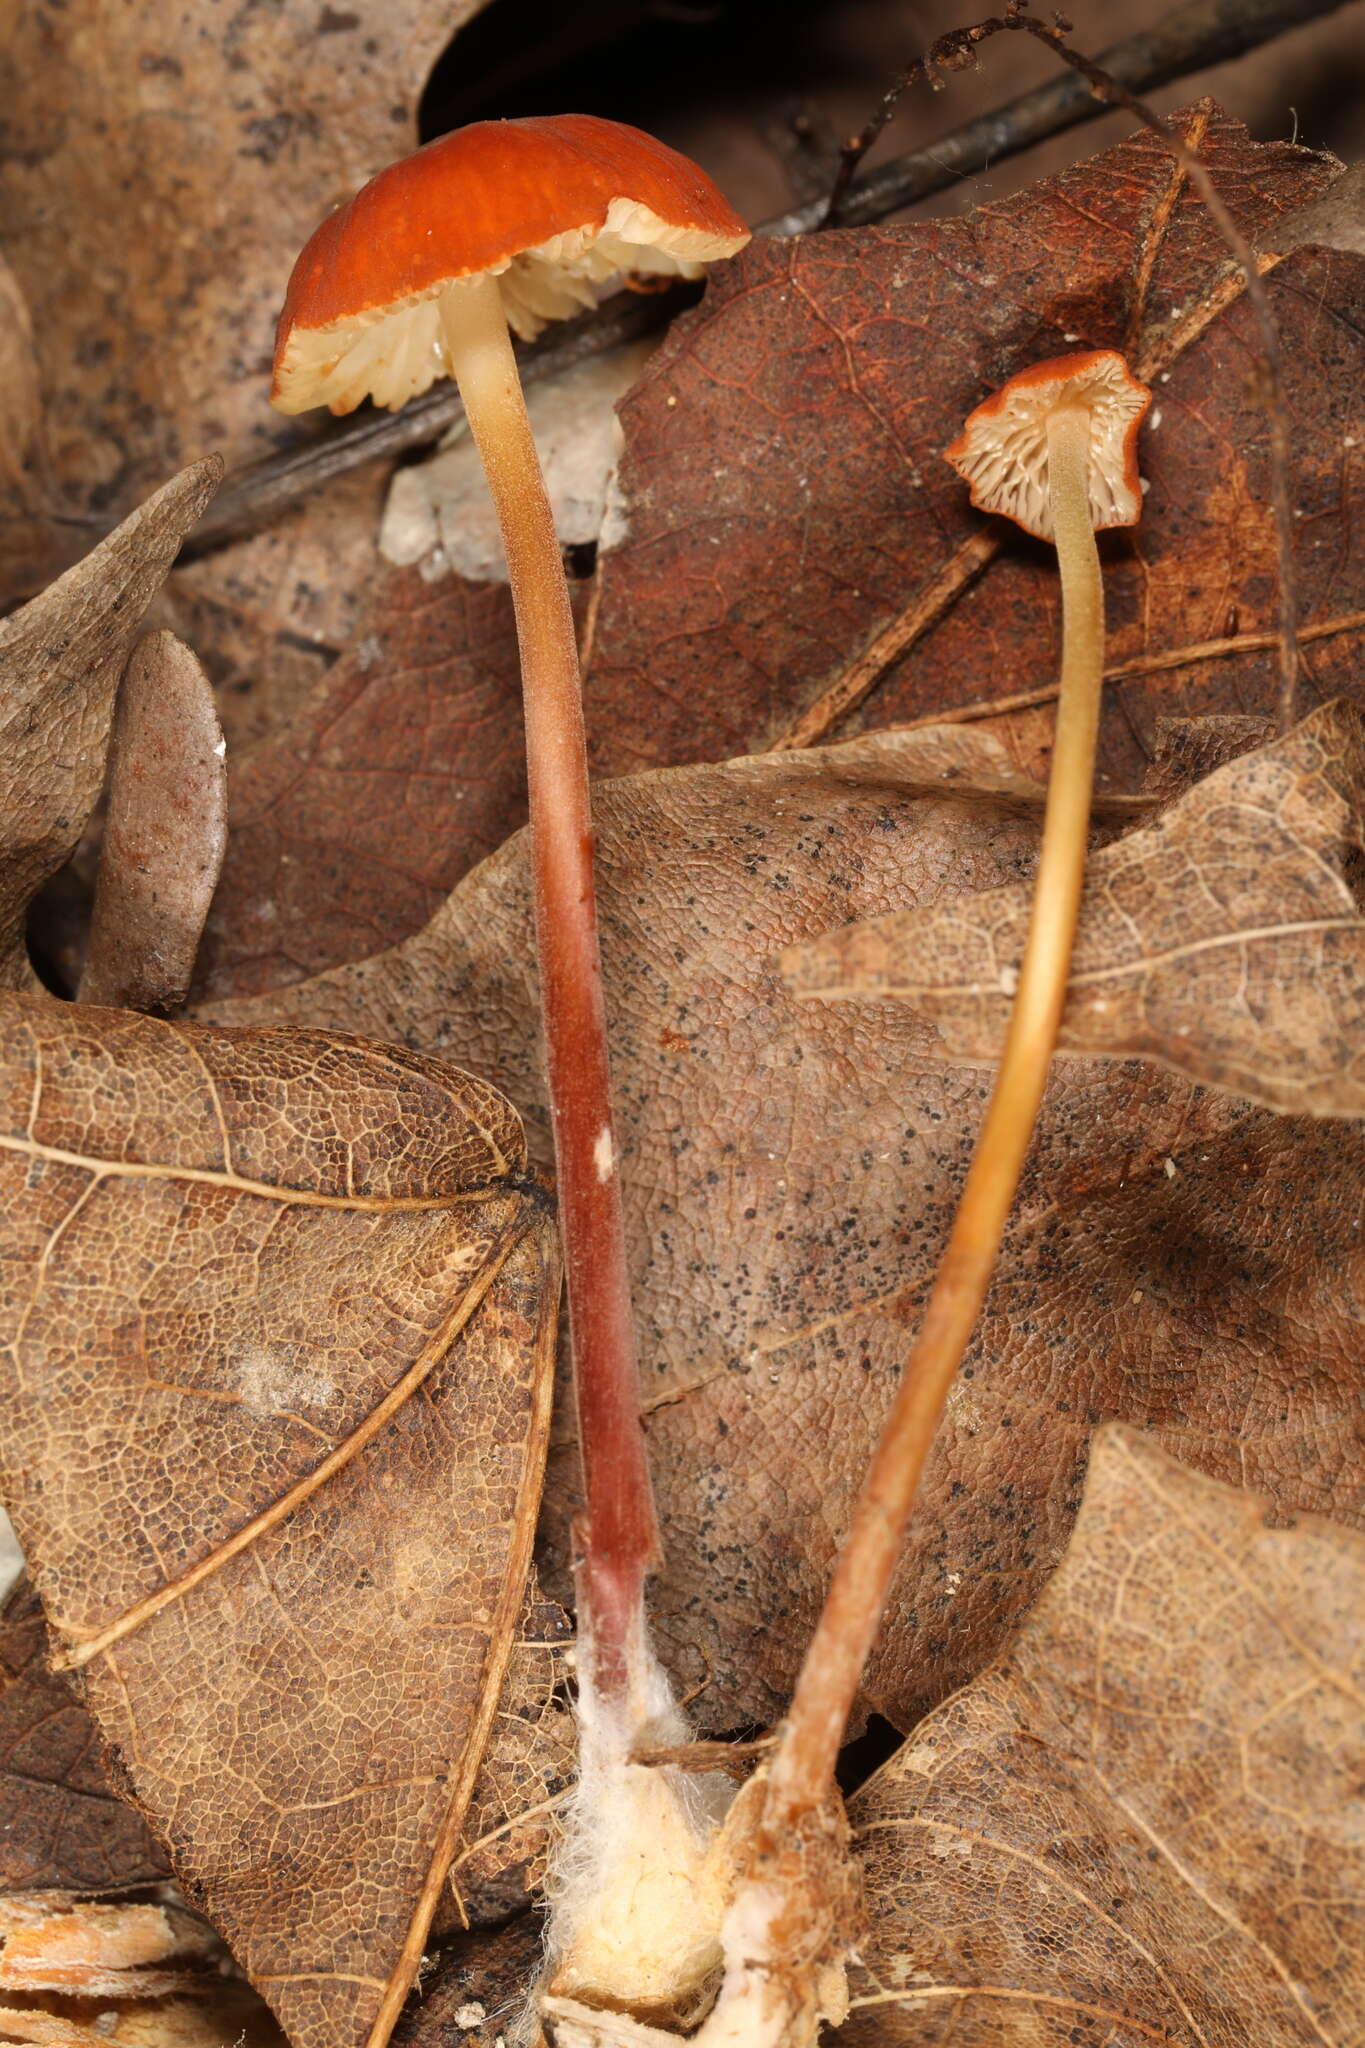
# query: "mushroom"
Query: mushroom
{"points": [[1054, 450], [418, 277]]}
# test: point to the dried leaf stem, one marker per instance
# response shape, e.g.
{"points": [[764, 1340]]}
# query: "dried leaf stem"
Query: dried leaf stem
{"points": [[1143, 665], [827, 1686]]}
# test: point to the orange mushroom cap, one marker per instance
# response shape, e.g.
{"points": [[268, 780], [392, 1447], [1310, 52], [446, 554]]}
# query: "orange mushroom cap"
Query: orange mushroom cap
{"points": [[1002, 449], [550, 207]]}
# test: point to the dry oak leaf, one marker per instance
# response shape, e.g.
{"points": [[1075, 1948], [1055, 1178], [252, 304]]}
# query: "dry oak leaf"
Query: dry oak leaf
{"points": [[1179, 1259], [1144, 1823], [61, 657], [1225, 939], [62, 1824], [160, 168], [784, 500], [279, 1333]]}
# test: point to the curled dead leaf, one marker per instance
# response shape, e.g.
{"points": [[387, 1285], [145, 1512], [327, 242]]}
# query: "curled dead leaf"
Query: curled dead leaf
{"points": [[61, 657], [165, 830]]}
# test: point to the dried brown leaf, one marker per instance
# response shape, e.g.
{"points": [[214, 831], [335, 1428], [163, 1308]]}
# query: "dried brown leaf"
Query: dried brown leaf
{"points": [[61, 657], [1144, 1823], [1225, 939], [165, 831], [281, 1314], [62, 1824], [1178, 1259], [159, 171], [785, 506]]}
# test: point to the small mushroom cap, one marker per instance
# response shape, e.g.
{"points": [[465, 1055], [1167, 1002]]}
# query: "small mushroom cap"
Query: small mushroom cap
{"points": [[1002, 450], [550, 207]]}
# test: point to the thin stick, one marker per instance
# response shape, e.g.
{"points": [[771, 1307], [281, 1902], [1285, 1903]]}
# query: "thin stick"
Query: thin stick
{"points": [[950, 52], [1144, 665], [620, 1532], [925, 608], [825, 1691]]}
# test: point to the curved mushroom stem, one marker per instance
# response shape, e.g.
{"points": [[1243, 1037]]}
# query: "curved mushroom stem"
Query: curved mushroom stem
{"points": [[803, 1767], [620, 1535]]}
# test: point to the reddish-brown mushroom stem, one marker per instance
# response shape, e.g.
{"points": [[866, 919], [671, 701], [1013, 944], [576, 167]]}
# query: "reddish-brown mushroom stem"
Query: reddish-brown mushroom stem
{"points": [[803, 1767], [620, 1536], [419, 274]]}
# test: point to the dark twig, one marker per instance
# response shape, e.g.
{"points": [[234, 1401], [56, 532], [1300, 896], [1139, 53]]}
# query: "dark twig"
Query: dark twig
{"points": [[955, 51], [1191, 37], [253, 496]]}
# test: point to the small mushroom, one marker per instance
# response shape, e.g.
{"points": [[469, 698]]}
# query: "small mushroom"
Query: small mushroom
{"points": [[418, 277], [1055, 450]]}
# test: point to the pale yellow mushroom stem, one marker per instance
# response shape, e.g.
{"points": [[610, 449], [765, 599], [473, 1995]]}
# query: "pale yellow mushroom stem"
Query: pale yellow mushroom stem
{"points": [[803, 1766]]}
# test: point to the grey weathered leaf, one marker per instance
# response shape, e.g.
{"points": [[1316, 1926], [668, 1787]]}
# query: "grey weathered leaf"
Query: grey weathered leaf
{"points": [[1224, 939]]}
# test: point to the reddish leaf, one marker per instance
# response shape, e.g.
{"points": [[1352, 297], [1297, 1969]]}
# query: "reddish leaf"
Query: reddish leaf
{"points": [[785, 499]]}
